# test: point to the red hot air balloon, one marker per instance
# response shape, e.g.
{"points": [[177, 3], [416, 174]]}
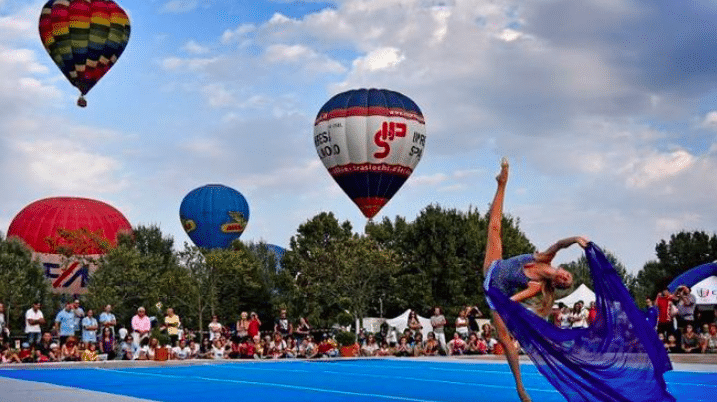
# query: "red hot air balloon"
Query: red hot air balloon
{"points": [[370, 140], [40, 223]]}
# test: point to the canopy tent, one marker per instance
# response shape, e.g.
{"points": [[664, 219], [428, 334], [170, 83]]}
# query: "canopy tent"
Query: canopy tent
{"points": [[581, 293], [401, 323], [705, 291]]}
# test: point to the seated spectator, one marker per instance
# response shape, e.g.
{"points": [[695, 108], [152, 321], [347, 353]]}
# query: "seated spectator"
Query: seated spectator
{"points": [[143, 352], [476, 346], [205, 349], [235, 346], [462, 324], [291, 348], [370, 348], [456, 346], [302, 329], [432, 347], [9, 356], [218, 349], [277, 346], [671, 345], [55, 352], [327, 347], [42, 350], [403, 349], [418, 344], [90, 353], [194, 347], [70, 351], [181, 351], [26, 353], [384, 349], [310, 350], [709, 345], [690, 342], [107, 344], [128, 349], [248, 350], [215, 328]]}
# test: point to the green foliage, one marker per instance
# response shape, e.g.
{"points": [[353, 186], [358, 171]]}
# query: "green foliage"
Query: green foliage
{"points": [[22, 283], [346, 338], [441, 255], [684, 251], [581, 274]]}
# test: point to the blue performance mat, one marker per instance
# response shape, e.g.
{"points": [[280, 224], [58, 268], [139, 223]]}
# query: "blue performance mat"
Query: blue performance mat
{"points": [[338, 380]]}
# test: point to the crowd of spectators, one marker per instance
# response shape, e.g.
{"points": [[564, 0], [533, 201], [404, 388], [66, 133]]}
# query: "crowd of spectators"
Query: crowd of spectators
{"points": [[77, 335]]}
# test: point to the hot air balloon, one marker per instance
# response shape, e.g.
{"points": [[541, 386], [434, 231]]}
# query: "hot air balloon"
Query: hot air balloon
{"points": [[214, 215], [84, 38], [40, 223], [370, 140]]}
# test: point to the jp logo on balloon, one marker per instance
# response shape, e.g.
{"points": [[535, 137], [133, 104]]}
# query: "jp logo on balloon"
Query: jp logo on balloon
{"points": [[370, 140]]}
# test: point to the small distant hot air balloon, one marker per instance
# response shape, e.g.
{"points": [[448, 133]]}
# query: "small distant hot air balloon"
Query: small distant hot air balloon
{"points": [[84, 38], [39, 225], [214, 215], [370, 140]]}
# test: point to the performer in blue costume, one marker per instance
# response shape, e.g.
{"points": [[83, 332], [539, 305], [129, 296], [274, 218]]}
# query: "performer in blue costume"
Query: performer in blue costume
{"points": [[618, 358]]}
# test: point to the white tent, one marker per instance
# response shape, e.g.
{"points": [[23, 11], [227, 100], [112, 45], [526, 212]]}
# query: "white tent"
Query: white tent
{"points": [[401, 323], [581, 293], [705, 291]]}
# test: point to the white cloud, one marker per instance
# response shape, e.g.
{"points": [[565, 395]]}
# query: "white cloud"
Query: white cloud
{"points": [[192, 47], [710, 120], [379, 59], [658, 167], [312, 61], [237, 34], [179, 6], [190, 64]]}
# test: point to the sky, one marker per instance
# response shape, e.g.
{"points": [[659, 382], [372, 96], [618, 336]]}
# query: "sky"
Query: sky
{"points": [[607, 110]]}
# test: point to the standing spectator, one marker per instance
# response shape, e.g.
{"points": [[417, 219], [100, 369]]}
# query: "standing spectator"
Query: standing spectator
{"points": [[4, 331], [686, 303], [79, 314], [438, 321], [413, 323], [254, 325], [107, 319], [303, 329], [65, 323], [242, 325], [283, 324], [215, 329], [141, 325], [578, 316], [592, 313], [171, 324], [462, 324], [663, 301], [473, 315], [89, 327], [33, 320]]}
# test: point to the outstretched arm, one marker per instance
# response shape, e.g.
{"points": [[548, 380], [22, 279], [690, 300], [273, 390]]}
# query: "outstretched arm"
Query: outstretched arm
{"points": [[494, 245], [548, 255]]}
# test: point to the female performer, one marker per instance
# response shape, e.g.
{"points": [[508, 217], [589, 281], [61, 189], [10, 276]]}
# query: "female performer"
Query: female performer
{"points": [[521, 277]]}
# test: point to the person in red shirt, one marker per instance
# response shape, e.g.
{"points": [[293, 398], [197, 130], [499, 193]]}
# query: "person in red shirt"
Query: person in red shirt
{"points": [[254, 325], [592, 313], [663, 301]]}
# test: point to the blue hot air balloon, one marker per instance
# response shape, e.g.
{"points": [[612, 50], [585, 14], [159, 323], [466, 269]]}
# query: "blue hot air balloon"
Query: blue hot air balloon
{"points": [[214, 215]]}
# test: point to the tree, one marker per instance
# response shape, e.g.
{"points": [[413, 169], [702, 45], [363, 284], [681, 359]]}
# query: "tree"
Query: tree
{"points": [[441, 255], [22, 282], [684, 251], [581, 275]]}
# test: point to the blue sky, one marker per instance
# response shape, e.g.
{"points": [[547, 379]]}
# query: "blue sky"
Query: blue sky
{"points": [[607, 110]]}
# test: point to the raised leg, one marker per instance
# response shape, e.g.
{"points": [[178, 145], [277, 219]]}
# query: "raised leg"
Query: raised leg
{"points": [[494, 245]]}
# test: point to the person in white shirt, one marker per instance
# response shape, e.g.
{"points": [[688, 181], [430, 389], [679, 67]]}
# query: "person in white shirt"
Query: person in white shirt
{"points": [[579, 316], [33, 320], [181, 351]]}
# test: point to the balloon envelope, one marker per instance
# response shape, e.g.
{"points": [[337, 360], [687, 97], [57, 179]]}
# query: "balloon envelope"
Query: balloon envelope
{"points": [[84, 38], [370, 140], [41, 220], [214, 215]]}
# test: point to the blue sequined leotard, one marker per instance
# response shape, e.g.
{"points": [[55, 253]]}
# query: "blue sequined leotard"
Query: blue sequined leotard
{"points": [[507, 276]]}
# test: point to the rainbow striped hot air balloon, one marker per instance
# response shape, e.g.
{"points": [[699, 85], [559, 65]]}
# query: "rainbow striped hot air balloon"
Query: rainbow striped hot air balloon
{"points": [[84, 38], [370, 140]]}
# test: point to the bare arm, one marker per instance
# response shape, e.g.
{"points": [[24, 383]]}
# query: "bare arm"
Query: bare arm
{"points": [[548, 255], [531, 291]]}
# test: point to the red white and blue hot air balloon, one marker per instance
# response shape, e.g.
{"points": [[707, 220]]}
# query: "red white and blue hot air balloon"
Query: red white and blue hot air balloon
{"points": [[370, 140]]}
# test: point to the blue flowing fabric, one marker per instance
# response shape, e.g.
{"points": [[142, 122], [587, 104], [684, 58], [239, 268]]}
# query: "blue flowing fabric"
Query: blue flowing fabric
{"points": [[618, 358]]}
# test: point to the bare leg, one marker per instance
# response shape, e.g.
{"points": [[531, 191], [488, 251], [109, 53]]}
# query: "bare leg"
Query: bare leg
{"points": [[494, 245], [511, 354]]}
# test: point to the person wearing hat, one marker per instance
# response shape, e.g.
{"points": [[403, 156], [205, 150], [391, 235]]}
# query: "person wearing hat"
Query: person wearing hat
{"points": [[27, 353]]}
